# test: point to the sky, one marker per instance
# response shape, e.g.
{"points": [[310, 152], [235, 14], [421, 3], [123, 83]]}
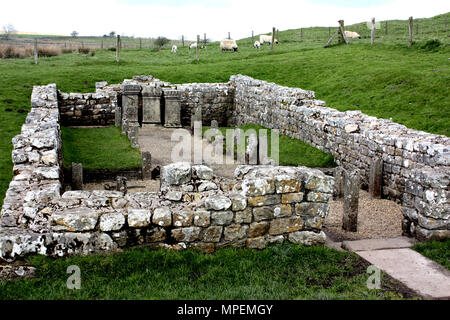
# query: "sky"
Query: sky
{"points": [[173, 18]]}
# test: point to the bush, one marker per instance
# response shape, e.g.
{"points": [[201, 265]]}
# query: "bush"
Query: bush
{"points": [[46, 52], [84, 50], [161, 41], [431, 45]]}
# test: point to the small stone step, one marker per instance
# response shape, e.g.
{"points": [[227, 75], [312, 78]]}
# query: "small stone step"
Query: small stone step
{"points": [[378, 244]]}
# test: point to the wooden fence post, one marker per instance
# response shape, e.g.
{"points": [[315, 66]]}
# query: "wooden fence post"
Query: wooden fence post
{"points": [[198, 44], [411, 31], [253, 37], [357, 28], [273, 38], [118, 48], [278, 35], [182, 40], [102, 44], [329, 31], [342, 37], [204, 39], [229, 35], [301, 35], [140, 43], [386, 28], [36, 52], [372, 33]]}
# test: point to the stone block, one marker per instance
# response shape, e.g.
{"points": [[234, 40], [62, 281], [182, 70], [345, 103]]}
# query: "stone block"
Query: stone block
{"points": [[285, 225]]}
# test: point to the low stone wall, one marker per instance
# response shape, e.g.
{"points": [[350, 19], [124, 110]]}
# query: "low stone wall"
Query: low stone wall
{"points": [[216, 101], [416, 166], [89, 109], [37, 164], [194, 209]]}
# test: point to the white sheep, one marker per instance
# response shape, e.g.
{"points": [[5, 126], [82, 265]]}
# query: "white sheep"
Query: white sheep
{"points": [[193, 46], [257, 45], [174, 49], [228, 45], [266, 39], [353, 35]]}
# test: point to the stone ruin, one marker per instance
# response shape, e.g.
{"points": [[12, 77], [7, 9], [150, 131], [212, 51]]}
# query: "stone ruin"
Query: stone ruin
{"points": [[195, 208]]}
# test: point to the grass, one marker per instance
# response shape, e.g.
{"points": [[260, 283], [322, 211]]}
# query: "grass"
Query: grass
{"points": [[293, 152], [387, 80], [280, 272], [438, 251], [99, 148]]}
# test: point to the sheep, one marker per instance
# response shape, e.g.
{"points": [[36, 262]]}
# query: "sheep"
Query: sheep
{"points": [[257, 45], [228, 45], [353, 35], [193, 46], [266, 39], [174, 49]]}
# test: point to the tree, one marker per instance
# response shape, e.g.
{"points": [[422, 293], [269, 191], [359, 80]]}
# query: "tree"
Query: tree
{"points": [[74, 34], [161, 41], [112, 34], [8, 30]]}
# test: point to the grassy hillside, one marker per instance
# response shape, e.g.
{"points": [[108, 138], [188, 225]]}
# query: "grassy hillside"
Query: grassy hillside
{"points": [[387, 80]]}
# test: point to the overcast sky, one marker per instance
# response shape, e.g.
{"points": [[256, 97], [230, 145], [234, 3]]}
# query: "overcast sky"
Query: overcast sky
{"points": [[172, 18]]}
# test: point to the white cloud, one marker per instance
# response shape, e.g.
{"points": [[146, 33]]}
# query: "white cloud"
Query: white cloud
{"points": [[236, 16]]}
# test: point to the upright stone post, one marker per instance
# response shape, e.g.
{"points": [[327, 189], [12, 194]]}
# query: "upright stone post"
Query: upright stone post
{"points": [[125, 126], [146, 165], [118, 116], [351, 201], [121, 184], [376, 178], [339, 182], [196, 117], [130, 103], [77, 176], [151, 106], [172, 112], [251, 154], [133, 135]]}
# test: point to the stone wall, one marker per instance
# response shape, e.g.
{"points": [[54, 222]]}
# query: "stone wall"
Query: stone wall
{"points": [[37, 164], [416, 166], [216, 101], [194, 209], [89, 109]]}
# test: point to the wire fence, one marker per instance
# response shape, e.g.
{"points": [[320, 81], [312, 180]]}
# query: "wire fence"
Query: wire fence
{"points": [[396, 31], [393, 31]]}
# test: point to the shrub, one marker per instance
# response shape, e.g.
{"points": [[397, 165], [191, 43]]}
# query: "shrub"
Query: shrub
{"points": [[46, 52], [161, 41], [84, 50], [431, 45]]}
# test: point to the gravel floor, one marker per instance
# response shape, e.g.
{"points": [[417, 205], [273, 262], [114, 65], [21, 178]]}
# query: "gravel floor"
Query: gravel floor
{"points": [[376, 219], [141, 186]]}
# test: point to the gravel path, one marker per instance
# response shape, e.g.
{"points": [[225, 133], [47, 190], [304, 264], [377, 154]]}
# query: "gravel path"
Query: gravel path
{"points": [[376, 219]]}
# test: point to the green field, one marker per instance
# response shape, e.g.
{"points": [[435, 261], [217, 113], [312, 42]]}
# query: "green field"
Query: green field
{"points": [[292, 152], [99, 148], [281, 272], [387, 80]]}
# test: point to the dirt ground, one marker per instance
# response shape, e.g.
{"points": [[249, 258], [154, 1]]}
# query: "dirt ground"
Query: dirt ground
{"points": [[376, 219]]}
